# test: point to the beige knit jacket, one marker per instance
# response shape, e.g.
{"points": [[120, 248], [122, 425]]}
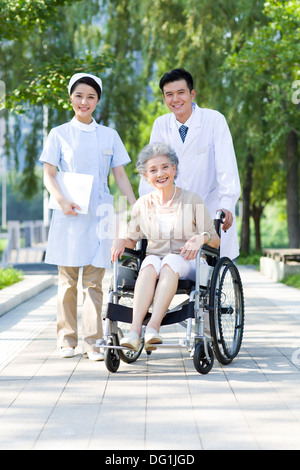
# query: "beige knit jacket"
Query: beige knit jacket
{"points": [[191, 217]]}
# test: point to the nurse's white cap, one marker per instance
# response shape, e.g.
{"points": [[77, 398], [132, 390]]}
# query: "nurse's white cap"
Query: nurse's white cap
{"points": [[78, 76]]}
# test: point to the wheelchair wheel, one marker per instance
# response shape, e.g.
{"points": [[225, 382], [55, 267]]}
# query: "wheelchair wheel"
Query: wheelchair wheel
{"points": [[112, 358], [128, 356], [226, 302], [202, 363]]}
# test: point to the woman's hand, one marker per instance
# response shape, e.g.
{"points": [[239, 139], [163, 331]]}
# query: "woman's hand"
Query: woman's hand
{"points": [[192, 246], [68, 207], [117, 249]]}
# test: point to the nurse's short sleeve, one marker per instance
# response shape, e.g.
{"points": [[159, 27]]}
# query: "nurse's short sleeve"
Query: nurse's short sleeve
{"points": [[120, 155], [52, 149]]}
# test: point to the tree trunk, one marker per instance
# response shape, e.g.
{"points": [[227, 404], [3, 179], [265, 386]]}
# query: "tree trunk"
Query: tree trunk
{"points": [[292, 191], [256, 214], [247, 186]]}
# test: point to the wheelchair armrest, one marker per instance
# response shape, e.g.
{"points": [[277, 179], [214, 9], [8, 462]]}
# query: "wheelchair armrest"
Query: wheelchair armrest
{"points": [[208, 250], [134, 253], [139, 252]]}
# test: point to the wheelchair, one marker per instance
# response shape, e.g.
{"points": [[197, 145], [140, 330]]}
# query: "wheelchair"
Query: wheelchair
{"points": [[217, 292]]}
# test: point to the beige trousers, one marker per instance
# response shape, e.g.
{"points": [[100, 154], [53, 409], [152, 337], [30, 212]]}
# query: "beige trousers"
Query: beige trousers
{"points": [[67, 332]]}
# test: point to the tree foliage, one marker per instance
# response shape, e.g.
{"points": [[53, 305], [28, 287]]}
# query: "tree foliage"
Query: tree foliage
{"points": [[244, 56], [18, 18], [269, 61], [46, 84], [267, 66]]}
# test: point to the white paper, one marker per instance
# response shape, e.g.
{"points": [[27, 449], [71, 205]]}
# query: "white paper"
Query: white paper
{"points": [[76, 187]]}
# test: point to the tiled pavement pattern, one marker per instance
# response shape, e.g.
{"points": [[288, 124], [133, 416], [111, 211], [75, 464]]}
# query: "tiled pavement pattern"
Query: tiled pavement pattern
{"points": [[160, 402]]}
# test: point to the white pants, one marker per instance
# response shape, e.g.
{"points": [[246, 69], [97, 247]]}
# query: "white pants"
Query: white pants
{"points": [[185, 268]]}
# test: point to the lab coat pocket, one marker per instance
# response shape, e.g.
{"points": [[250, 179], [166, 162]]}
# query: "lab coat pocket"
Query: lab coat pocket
{"points": [[202, 150], [202, 156]]}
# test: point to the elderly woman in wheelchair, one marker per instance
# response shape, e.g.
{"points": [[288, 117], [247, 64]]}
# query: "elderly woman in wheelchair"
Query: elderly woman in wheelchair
{"points": [[176, 224]]}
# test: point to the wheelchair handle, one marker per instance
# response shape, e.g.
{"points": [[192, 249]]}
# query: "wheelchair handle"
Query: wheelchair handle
{"points": [[218, 221], [220, 216]]}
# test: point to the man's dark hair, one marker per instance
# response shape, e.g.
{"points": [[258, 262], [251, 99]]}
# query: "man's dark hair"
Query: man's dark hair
{"points": [[175, 75], [87, 81]]}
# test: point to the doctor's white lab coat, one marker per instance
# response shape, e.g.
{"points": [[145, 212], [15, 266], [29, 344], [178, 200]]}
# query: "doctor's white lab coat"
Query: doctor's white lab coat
{"points": [[207, 164]]}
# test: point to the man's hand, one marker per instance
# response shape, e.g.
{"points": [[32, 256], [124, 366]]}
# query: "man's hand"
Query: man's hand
{"points": [[228, 219]]}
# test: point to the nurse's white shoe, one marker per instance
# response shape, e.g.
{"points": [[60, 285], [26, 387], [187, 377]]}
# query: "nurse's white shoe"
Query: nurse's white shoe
{"points": [[67, 352], [95, 356]]}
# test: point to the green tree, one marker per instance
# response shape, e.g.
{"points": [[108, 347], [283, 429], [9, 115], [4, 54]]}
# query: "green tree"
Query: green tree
{"points": [[19, 18], [36, 71], [243, 58], [268, 65], [199, 35]]}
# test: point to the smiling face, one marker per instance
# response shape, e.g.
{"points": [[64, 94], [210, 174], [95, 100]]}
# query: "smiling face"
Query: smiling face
{"points": [[160, 172], [84, 100], [179, 98]]}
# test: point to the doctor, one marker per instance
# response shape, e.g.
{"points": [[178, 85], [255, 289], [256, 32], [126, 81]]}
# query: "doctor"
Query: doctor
{"points": [[203, 144], [81, 240]]}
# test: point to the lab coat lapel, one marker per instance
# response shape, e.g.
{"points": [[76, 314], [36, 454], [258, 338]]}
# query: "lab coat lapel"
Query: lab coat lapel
{"points": [[193, 131], [175, 136], [194, 127]]}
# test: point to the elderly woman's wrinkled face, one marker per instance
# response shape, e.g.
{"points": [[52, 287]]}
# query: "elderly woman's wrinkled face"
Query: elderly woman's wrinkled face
{"points": [[160, 172]]}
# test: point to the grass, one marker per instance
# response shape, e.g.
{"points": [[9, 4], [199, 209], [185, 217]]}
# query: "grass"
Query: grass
{"points": [[293, 280], [3, 243], [252, 259], [9, 276]]}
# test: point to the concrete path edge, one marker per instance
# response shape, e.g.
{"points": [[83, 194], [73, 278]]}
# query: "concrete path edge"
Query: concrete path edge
{"points": [[31, 285]]}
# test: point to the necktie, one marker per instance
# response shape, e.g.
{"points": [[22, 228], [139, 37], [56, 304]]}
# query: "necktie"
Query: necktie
{"points": [[183, 132]]}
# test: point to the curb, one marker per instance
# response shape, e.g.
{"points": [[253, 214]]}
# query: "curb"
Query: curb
{"points": [[14, 295]]}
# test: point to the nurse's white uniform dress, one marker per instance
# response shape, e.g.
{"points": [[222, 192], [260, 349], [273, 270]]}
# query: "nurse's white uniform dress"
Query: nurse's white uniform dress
{"points": [[90, 149], [207, 164]]}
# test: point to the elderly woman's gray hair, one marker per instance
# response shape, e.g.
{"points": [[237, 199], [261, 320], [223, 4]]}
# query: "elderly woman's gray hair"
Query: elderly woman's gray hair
{"points": [[153, 150]]}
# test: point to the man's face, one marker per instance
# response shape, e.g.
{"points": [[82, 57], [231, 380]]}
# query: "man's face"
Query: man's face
{"points": [[179, 98]]}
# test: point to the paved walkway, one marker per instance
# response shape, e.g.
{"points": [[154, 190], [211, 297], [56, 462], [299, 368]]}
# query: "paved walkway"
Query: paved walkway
{"points": [[160, 402]]}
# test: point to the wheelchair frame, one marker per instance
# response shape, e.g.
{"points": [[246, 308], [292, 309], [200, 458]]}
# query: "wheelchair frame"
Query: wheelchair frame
{"points": [[217, 289]]}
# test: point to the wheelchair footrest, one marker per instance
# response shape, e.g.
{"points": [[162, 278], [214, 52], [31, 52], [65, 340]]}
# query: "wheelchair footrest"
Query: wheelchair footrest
{"points": [[181, 344], [101, 343], [111, 346]]}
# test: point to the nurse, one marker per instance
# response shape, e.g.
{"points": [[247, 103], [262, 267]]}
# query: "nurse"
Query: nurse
{"points": [[82, 240], [203, 144]]}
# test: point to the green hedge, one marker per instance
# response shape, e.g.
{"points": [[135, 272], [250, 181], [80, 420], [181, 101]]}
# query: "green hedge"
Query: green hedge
{"points": [[9, 276]]}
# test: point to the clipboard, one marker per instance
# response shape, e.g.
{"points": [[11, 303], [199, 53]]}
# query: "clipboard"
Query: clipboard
{"points": [[76, 187]]}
